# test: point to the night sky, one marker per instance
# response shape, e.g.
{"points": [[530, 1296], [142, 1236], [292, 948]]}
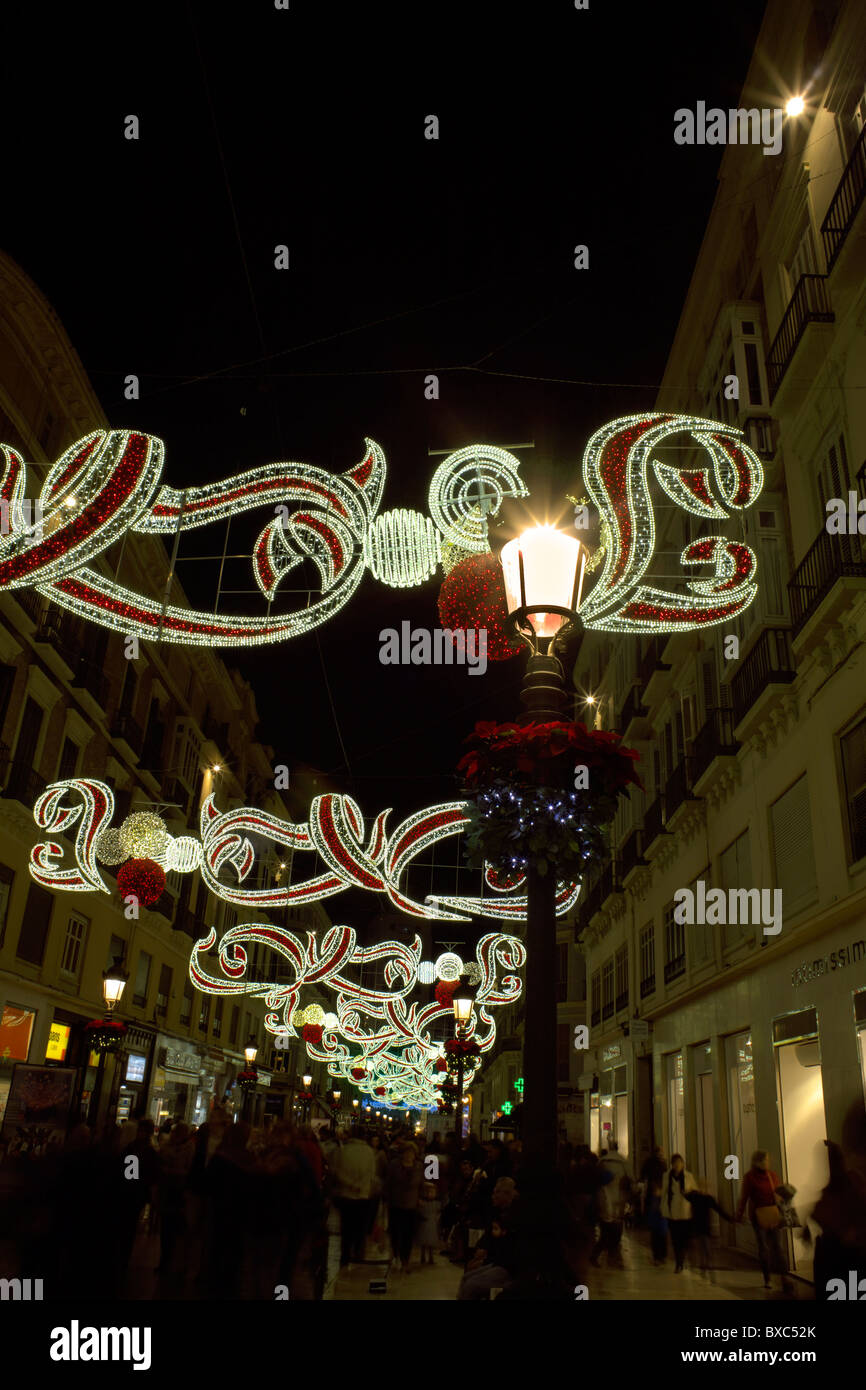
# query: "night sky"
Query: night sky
{"points": [[407, 256]]}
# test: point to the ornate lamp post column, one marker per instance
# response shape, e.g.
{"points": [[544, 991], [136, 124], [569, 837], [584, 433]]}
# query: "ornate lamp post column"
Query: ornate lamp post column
{"points": [[464, 997], [543, 572]]}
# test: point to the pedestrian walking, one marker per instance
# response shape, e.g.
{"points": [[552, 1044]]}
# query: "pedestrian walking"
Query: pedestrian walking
{"points": [[653, 1175], [676, 1209], [429, 1211], [759, 1192], [702, 1203], [402, 1192]]}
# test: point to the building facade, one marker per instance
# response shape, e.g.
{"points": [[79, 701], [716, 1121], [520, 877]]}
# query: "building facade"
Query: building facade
{"points": [[164, 730], [713, 1038]]}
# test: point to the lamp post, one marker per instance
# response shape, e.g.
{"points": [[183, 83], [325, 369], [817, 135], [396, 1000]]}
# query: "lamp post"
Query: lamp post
{"points": [[308, 1081], [249, 1078], [113, 984], [543, 571], [464, 997]]}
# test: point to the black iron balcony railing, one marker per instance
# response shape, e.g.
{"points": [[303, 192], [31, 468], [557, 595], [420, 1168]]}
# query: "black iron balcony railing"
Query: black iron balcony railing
{"points": [[607, 1009], [647, 986], [89, 677], [631, 708], [654, 820], [595, 1018], [809, 304], [631, 852], [32, 603], [678, 787], [20, 783], [592, 902], [829, 559], [622, 1001], [714, 740], [58, 631], [610, 879], [124, 726], [769, 663], [652, 661], [847, 199], [675, 968]]}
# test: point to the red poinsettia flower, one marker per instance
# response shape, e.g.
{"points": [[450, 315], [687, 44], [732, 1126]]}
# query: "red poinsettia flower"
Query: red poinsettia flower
{"points": [[441, 1064]]}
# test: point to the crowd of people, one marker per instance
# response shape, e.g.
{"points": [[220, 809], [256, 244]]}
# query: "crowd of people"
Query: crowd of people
{"points": [[242, 1213]]}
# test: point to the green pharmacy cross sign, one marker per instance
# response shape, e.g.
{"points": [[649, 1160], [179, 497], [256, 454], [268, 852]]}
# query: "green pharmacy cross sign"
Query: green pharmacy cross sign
{"points": [[507, 1108], [518, 1085]]}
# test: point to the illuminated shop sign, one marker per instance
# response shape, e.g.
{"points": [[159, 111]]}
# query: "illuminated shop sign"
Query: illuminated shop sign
{"points": [[836, 960]]}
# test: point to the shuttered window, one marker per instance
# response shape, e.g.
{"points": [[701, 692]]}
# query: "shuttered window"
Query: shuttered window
{"points": [[735, 871], [700, 936], [793, 849], [34, 928], [854, 770]]}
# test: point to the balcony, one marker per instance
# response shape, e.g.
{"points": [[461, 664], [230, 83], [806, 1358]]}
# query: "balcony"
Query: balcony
{"points": [[647, 986], [20, 783], [591, 904], [809, 304], [714, 740], [830, 559], [631, 853], [768, 663], [57, 635], [595, 1018], [32, 603], [654, 821], [610, 883], [674, 968], [622, 1001], [607, 1009], [652, 672], [632, 712], [185, 921], [846, 203], [125, 730], [679, 787], [90, 681]]}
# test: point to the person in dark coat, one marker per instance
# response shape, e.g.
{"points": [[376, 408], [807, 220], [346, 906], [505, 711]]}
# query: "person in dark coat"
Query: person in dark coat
{"points": [[702, 1203], [136, 1187], [228, 1185]]}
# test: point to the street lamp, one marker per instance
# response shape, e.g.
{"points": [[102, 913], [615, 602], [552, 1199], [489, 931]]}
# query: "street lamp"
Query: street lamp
{"points": [[248, 1078], [307, 1080], [463, 999], [113, 984], [543, 571]]}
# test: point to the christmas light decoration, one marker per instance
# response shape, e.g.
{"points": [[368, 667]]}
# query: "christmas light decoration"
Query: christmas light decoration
{"points": [[143, 836], [449, 967], [402, 549], [472, 480], [394, 1049], [616, 463], [336, 830], [472, 598], [426, 972], [143, 879]]}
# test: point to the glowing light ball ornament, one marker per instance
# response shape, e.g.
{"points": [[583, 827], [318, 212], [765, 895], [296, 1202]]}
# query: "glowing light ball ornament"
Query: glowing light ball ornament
{"points": [[449, 967], [426, 972], [143, 836], [109, 848], [473, 597], [402, 548], [143, 879]]}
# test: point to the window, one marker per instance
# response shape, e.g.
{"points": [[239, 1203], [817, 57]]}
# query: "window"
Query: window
{"points": [[753, 375], [561, 972], [28, 736], [7, 680], [853, 746], [647, 960], [127, 693], [218, 1017], [73, 947], [186, 1005], [233, 1028], [6, 880], [621, 970], [34, 927], [164, 992], [595, 1004], [676, 1103], [204, 1012], [116, 951], [142, 979], [68, 764], [832, 476], [607, 989], [735, 871], [792, 847], [675, 946], [701, 935]]}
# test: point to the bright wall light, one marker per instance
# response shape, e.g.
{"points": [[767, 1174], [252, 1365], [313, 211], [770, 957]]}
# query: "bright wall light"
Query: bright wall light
{"points": [[795, 107]]}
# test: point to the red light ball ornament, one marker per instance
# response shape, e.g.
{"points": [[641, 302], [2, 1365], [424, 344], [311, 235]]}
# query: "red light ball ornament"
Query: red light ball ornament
{"points": [[473, 597], [445, 992], [143, 879]]}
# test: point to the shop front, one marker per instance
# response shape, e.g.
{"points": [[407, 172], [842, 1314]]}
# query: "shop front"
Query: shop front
{"points": [[176, 1091]]}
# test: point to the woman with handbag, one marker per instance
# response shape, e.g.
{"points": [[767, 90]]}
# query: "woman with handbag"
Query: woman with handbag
{"points": [[759, 1191]]}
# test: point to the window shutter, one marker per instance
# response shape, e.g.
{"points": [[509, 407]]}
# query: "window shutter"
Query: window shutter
{"points": [[793, 848]]}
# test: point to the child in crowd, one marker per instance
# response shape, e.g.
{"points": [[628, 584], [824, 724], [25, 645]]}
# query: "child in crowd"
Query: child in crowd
{"points": [[429, 1211]]}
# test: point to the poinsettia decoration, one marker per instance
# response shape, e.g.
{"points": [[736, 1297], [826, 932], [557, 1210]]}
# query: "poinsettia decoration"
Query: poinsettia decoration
{"points": [[441, 1064], [445, 992], [455, 1046], [542, 794], [104, 1034], [312, 1033]]}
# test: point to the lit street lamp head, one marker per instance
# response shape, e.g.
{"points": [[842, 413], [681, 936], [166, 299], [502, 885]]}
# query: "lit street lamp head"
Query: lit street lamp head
{"points": [[543, 571], [113, 984]]}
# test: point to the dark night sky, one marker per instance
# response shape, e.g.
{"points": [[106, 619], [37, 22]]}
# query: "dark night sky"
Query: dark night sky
{"points": [[408, 256]]}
